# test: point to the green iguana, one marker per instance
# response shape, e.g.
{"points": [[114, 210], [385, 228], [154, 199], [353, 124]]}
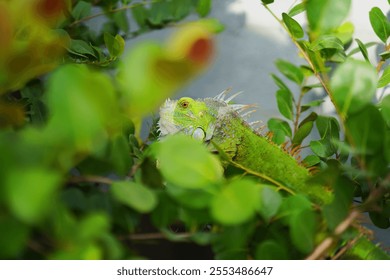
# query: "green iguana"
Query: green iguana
{"points": [[222, 125], [223, 128]]}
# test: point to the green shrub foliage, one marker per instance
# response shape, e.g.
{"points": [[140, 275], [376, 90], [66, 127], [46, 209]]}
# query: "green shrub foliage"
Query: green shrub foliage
{"points": [[78, 182]]}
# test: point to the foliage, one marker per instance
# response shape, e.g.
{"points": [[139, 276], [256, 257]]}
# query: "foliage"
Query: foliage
{"points": [[77, 182]]}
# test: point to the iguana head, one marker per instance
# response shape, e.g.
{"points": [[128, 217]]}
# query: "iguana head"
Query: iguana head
{"points": [[199, 117], [186, 115]]}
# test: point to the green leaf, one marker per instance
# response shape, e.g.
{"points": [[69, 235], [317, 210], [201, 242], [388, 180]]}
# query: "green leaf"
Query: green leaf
{"points": [[385, 109], [302, 132], [302, 230], [120, 19], [80, 47], [325, 15], [311, 160], [236, 203], [185, 162], [379, 24], [292, 205], [335, 212], [191, 198], [384, 80], [203, 7], [115, 45], [379, 220], [81, 9], [83, 108], [313, 103], [366, 45], [270, 201], [140, 14], [327, 42], [30, 192], [275, 124], [328, 127], [297, 9], [385, 55], [285, 103], [322, 148], [279, 82], [134, 195], [353, 85], [293, 26], [366, 130], [271, 250], [363, 49], [345, 32], [291, 71], [166, 211], [14, 237], [267, 1]]}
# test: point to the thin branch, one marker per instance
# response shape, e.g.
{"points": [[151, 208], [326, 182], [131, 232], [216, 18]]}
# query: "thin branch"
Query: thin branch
{"points": [[298, 111], [321, 250], [127, 7], [90, 179], [153, 236]]}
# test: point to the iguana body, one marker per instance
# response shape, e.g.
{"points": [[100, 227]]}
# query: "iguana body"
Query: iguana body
{"points": [[213, 120]]}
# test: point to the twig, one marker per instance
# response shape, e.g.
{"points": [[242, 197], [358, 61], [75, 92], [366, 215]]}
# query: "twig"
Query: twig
{"points": [[327, 243], [90, 179], [127, 7], [152, 236]]}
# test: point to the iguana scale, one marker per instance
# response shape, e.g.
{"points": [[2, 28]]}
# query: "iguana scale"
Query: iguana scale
{"points": [[220, 124]]}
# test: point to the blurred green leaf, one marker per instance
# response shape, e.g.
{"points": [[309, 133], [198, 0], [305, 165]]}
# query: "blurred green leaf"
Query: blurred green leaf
{"points": [[165, 212], [313, 103], [31, 192], [270, 201], [345, 32], [279, 82], [366, 130], [311, 160], [385, 109], [328, 127], [192, 198], [302, 132], [302, 230], [82, 48], [325, 15], [14, 235], [236, 203], [322, 148], [354, 85], [297, 9], [275, 124], [292, 205], [185, 162], [291, 71], [385, 55], [271, 250], [115, 45], [81, 9], [267, 1], [293, 26], [327, 42], [338, 209], [384, 80], [120, 19], [363, 49], [134, 195], [203, 7], [379, 220], [285, 103], [140, 14], [380, 24]]}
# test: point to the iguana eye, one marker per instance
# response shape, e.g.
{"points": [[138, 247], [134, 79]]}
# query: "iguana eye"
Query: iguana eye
{"points": [[184, 104]]}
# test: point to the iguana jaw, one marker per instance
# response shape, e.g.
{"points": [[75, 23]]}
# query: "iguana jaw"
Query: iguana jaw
{"points": [[166, 124]]}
